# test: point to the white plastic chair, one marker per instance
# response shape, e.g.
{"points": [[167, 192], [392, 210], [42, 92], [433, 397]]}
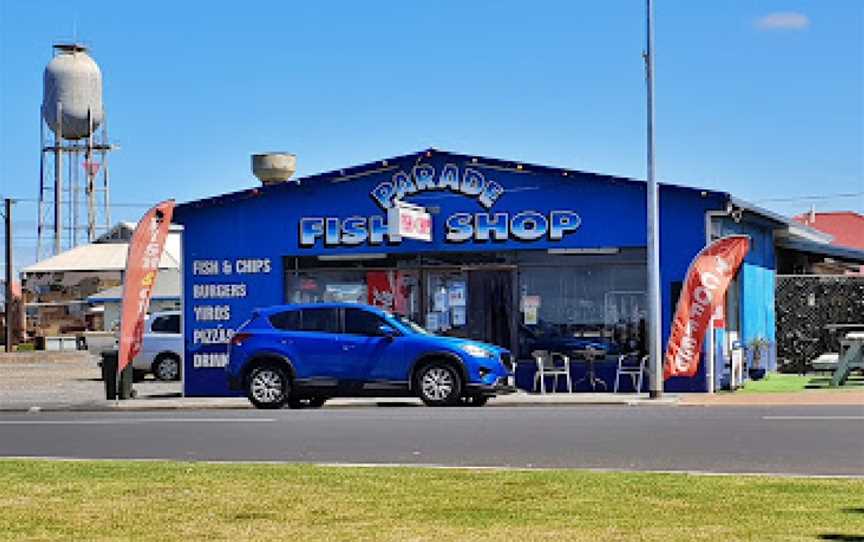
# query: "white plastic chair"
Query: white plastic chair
{"points": [[553, 364], [635, 372]]}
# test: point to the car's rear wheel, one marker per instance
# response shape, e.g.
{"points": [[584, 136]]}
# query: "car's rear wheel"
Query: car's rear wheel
{"points": [[167, 367], [438, 384], [268, 387]]}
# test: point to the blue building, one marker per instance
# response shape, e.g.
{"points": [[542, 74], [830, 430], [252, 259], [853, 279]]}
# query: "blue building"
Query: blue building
{"points": [[520, 255]]}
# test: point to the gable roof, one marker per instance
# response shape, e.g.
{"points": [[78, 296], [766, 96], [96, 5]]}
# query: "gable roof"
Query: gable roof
{"points": [[394, 163], [783, 225], [847, 227], [95, 257]]}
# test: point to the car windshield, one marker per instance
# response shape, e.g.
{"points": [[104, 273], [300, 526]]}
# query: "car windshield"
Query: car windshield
{"points": [[414, 327]]}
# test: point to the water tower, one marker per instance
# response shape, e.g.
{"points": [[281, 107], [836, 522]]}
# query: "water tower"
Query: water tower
{"points": [[71, 161]]}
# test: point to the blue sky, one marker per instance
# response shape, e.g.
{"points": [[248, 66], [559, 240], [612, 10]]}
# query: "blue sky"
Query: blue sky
{"points": [[763, 99]]}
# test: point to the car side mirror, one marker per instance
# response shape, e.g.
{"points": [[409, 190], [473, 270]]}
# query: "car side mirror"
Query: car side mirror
{"points": [[387, 332]]}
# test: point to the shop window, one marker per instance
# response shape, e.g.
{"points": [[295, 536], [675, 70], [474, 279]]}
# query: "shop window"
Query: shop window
{"points": [[347, 286], [286, 321], [447, 300], [393, 290], [572, 308], [323, 320], [360, 322]]}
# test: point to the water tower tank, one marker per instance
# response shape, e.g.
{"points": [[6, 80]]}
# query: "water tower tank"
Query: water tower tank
{"points": [[73, 79], [274, 167]]}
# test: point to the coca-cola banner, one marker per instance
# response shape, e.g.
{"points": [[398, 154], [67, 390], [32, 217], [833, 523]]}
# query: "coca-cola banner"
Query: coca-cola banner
{"points": [[703, 291], [142, 265]]}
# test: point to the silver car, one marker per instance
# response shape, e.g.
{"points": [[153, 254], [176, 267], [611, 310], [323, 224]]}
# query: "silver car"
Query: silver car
{"points": [[161, 348]]}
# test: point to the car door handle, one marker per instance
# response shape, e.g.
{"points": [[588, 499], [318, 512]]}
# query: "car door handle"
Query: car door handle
{"points": [[348, 346], [286, 341]]}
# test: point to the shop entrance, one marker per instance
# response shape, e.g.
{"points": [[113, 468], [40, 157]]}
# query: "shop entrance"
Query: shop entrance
{"points": [[472, 302], [491, 302]]}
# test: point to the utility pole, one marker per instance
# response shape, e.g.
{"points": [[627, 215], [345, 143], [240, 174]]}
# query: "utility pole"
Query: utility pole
{"points": [[655, 386], [8, 219]]}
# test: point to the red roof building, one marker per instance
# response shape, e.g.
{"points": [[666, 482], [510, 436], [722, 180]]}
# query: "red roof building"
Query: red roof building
{"points": [[847, 227]]}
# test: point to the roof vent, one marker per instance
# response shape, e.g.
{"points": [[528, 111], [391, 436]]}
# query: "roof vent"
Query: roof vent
{"points": [[274, 167]]}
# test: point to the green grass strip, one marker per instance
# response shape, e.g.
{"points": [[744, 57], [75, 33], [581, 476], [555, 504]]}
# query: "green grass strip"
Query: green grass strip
{"points": [[166, 501], [776, 382]]}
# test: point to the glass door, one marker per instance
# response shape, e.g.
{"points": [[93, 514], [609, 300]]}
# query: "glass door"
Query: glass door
{"points": [[491, 303]]}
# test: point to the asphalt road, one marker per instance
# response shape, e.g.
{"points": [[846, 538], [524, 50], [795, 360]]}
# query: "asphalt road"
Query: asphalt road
{"points": [[791, 440]]}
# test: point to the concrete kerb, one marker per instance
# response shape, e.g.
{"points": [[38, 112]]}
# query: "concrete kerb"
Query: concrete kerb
{"points": [[238, 403], [520, 400]]}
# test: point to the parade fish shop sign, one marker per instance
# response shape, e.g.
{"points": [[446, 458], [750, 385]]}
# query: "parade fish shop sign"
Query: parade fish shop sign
{"points": [[485, 225]]}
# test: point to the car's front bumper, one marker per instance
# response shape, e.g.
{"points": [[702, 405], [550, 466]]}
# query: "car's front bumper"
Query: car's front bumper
{"points": [[502, 386]]}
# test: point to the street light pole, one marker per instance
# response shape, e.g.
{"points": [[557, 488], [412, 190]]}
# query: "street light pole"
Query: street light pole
{"points": [[8, 220], [655, 386]]}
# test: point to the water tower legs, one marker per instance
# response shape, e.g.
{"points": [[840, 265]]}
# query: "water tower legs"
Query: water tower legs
{"points": [[106, 207], [58, 180], [76, 189], [91, 195]]}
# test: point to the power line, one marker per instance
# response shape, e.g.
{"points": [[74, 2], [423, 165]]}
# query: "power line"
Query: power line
{"points": [[811, 198], [34, 200]]}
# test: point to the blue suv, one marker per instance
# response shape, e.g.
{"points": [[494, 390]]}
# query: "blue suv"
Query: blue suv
{"points": [[302, 355]]}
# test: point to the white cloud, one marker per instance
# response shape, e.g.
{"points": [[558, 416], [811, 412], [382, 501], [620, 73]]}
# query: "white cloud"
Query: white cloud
{"points": [[783, 20]]}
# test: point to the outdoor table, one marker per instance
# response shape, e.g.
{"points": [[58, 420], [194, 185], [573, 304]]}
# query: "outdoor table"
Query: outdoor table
{"points": [[590, 355], [836, 332]]}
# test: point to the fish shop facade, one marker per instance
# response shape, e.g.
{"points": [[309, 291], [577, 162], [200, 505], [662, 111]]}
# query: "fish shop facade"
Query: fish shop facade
{"points": [[524, 256]]}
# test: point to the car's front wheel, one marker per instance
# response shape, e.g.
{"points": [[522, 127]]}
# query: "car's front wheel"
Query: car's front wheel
{"points": [[167, 367], [268, 387], [438, 384]]}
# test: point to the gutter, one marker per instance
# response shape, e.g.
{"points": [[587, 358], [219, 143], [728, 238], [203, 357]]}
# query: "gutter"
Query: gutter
{"points": [[787, 226]]}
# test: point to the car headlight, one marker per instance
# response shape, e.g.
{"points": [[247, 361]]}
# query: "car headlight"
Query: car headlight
{"points": [[475, 351]]}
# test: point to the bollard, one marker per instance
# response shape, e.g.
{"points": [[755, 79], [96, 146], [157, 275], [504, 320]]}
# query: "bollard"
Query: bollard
{"points": [[126, 382], [109, 373], [109, 376]]}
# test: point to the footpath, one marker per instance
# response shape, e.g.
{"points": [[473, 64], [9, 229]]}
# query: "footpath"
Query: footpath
{"points": [[58, 381], [42, 381], [521, 399], [176, 402]]}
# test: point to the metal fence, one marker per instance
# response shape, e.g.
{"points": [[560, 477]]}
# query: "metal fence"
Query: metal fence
{"points": [[813, 314]]}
